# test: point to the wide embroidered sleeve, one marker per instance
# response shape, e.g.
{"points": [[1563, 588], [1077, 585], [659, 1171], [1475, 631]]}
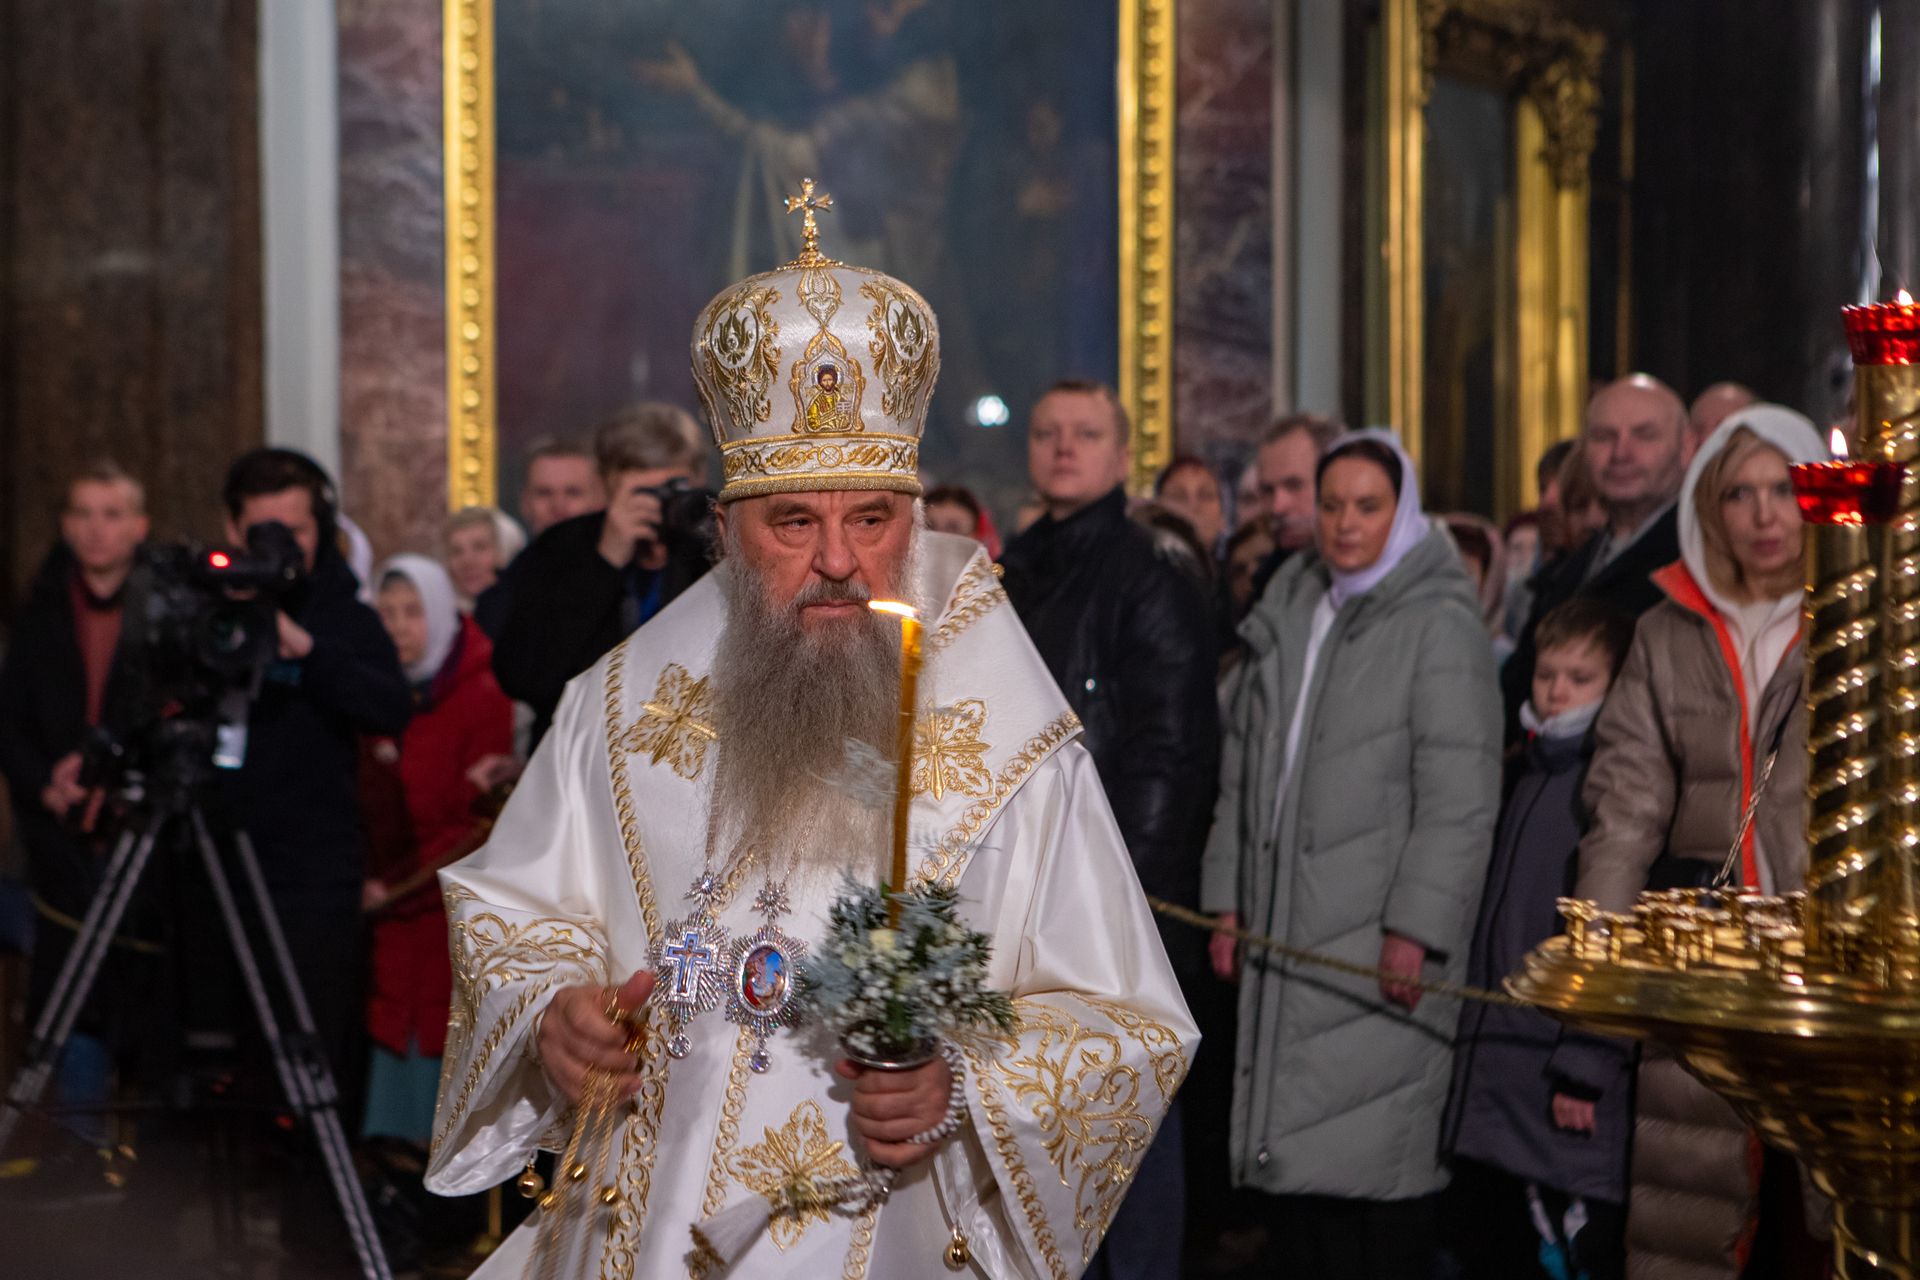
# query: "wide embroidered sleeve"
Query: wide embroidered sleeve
{"points": [[1063, 1109], [524, 921]]}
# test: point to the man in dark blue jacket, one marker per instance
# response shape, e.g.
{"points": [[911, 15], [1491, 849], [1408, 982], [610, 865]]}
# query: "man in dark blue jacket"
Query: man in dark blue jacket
{"points": [[335, 678]]}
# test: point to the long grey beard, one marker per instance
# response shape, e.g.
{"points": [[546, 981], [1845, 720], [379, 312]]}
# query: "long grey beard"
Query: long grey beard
{"points": [[787, 705]]}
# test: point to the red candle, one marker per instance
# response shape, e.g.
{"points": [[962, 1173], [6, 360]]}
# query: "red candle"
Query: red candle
{"points": [[1847, 492], [1884, 332]]}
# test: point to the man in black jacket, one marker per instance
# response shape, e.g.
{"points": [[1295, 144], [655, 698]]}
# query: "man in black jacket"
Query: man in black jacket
{"points": [[62, 676], [296, 793], [1638, 446], [1128, 637], [586, 583]]}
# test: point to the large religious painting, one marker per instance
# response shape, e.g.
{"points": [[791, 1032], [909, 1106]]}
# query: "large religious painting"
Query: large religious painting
{"points": [[1481, 125], [640, 152]]}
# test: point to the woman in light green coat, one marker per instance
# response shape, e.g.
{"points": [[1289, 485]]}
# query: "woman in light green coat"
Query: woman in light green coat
{"points": [[1359, 788]]}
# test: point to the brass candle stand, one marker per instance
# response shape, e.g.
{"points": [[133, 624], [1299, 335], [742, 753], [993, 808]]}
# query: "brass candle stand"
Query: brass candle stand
{"points": [[1804, 1010]]}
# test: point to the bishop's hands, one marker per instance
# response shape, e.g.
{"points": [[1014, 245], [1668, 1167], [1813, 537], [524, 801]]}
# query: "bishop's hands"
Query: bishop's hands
{"points": [[891, 1106], [576, 1034]]}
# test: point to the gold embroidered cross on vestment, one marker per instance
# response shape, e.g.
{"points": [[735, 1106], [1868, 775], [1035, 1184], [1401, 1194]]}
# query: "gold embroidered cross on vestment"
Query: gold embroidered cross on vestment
{"points": [[674, 725]]}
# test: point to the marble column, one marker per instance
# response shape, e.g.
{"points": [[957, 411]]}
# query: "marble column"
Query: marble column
{"points": [[1223, 271], [393, 409]]}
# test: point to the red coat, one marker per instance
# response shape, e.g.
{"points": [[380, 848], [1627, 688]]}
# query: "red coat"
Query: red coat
{"points": [[420, 806]]}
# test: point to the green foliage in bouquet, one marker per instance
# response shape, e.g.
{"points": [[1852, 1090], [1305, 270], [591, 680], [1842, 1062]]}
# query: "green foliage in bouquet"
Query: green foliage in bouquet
{"points": [[888, 993]]}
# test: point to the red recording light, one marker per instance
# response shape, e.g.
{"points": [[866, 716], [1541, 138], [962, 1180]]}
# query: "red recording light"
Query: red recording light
{"points": [[219, 559]]}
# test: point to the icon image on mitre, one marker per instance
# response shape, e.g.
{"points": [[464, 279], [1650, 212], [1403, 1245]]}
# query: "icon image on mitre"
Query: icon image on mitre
{"points": [[817, 375]]}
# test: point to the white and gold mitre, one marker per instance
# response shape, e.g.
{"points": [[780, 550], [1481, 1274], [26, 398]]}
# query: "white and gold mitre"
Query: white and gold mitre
{"points": [[818, 375]]}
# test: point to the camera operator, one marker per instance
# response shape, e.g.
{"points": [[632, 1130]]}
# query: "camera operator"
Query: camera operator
{"points": [[62, 676], [587, 582], [296, 794]]}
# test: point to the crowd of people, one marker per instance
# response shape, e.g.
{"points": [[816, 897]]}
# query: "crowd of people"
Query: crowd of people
{"points": [[1321, 713]]}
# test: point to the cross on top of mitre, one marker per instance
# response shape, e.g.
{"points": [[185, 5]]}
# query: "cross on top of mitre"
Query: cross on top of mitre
{"points": [[811, 203]]}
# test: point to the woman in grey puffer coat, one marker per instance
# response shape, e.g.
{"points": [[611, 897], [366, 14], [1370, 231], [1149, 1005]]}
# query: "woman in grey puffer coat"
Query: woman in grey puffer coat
{"points": [[1360, 784]]}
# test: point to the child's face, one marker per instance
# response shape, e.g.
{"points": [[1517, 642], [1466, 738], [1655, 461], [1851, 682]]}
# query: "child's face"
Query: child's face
{"points": [[1570, 676]]}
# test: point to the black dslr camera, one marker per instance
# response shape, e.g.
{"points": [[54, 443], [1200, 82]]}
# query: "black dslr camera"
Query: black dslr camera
{"points": [[198, 634]]}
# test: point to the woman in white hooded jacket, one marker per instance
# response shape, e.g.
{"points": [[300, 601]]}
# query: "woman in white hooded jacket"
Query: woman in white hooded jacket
{"points": [[1710, 689]]}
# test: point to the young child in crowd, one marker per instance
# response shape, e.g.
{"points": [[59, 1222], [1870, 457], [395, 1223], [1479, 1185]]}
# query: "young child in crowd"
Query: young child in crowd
{"points": [[1539, 1119]]}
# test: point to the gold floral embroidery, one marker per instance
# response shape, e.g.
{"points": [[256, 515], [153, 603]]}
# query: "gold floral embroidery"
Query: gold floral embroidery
{"points": [[906, 354], [779, 456], [489, 954], [947, 751], [977, 594], [643, 1129], [740, 353], [947, 860], [797, 1156], [723, 1139], [623, 809], [673, 724], [1007, 1146], [1163, 1047], [819, 293], [860, 1247], [1084, 1096]]}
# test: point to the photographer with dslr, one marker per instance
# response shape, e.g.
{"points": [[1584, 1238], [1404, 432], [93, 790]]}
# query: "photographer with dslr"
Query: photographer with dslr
{"points": [[335, 677], [586, 583], [63, 676]]}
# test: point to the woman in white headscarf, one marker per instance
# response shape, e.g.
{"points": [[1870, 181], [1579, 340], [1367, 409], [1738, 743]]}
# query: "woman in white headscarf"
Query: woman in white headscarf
{"points": [[1359, 786], [1711, 688], [481, 542], [420, 809]]}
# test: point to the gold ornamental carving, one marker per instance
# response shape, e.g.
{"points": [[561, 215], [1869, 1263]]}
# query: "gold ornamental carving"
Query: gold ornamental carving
{"points": [[467, 156], [1147, 54]]}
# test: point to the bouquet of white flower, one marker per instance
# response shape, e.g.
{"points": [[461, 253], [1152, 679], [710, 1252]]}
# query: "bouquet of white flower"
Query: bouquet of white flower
{"points": [[891, 993]]}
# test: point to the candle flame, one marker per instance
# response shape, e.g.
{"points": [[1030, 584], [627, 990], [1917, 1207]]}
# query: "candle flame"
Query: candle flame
{"points": [[1904, 298], [1837, 443], [897, 607]]}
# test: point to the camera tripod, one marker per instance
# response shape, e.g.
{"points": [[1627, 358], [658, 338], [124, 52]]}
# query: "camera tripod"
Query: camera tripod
{"points": [[298, 1061]]}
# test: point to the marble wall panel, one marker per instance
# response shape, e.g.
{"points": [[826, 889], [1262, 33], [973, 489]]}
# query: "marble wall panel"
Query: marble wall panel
{"points": [[392, 304], [1223, 270]]}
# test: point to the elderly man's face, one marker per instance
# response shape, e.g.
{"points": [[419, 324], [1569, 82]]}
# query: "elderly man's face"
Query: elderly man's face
{"points": [[847, 547]]}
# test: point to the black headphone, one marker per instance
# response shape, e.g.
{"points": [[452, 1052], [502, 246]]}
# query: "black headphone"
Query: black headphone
{"points": [[310, 475]]}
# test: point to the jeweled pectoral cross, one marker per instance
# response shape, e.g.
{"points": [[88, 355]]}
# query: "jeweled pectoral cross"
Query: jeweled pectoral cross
{"points": [[809, 228], [687, 961]]}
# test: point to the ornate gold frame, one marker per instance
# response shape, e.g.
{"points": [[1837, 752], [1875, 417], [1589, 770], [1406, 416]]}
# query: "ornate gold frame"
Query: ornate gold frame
{"points": [[1145, 98], [1552, 65]]}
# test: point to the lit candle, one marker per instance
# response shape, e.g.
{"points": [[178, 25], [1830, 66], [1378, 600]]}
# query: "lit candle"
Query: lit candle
{"points": [[903, 787]]}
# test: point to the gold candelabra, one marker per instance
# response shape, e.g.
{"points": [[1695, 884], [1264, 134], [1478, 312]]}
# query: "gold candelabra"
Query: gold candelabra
{"points": [[1804, 1010]]}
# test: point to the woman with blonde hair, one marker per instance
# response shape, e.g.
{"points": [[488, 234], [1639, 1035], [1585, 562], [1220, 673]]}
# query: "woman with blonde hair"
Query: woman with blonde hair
{"points": [[1711, 689]]}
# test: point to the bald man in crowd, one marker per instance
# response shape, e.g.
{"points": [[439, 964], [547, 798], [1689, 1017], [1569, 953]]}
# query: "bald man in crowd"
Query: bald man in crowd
{"points": [[1638, 440], [1711, 407]]}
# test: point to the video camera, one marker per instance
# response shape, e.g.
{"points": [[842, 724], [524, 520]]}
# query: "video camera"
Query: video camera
{"points": [[686, 515], [198, 634]]}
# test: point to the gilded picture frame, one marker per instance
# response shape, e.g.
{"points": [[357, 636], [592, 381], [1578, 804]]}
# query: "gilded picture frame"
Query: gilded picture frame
{"points": [[1144, 104], [1550, 64]]}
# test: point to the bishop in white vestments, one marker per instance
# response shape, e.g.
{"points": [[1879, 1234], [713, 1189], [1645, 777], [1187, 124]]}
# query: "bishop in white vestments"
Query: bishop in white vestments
{"points": [[714, 771]]}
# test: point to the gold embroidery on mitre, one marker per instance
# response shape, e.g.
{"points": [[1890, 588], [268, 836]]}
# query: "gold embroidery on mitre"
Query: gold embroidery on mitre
{"points": [[789, 1168], [1084, 1097], [673, 726], [740, 348], [905, 356], [948, 753], [827, 388]]}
